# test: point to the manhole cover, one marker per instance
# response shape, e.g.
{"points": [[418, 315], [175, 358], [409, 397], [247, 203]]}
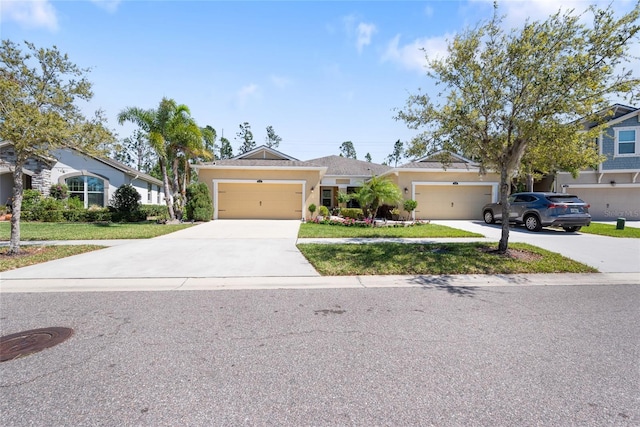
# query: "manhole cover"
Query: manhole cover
{"points": [[28, 342]]}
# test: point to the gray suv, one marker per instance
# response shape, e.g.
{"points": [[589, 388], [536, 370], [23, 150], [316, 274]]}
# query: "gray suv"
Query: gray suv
{"points": [[537, 210]]}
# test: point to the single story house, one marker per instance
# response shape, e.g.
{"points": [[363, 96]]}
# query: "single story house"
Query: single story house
{"points": [[267, 184], [92, 179], [613, 187]]}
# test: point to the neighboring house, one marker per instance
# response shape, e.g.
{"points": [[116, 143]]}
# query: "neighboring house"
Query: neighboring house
{"points": [[265, 183], [344, 175], [613, 188], [92, 179], [454, 190]]}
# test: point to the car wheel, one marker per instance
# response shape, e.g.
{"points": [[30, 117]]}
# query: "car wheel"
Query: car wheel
{"points": [[488, 217], [572, 229], [532, 223]]}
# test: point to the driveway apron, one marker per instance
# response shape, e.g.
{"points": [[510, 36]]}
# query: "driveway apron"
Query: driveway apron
{"points": [[221, 248]]}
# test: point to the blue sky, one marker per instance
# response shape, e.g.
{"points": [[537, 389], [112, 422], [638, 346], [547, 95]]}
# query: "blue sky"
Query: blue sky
{"points": [[320, 73]]}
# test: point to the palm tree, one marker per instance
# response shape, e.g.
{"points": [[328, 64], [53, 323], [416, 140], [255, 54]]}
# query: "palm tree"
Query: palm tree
{"points": [[377, 191], [159, 125]]}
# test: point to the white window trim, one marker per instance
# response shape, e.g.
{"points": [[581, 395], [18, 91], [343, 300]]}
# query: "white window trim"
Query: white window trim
{"points": [[616, 142], [105, 198]]}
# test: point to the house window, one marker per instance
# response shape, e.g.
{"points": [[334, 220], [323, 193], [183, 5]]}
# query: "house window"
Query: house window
{"points": [[627, 141], [327, 197], [158, 194], [89, 189], [149, 191]]}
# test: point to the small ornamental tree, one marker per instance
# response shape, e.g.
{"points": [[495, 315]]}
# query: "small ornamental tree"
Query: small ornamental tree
{"points": [[199, 205], [410, 205], [312, 209]]}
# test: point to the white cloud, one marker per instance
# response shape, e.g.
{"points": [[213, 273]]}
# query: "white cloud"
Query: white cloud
{"points": [[110, 6], [412, 56], [361, 31], [30, 14], [280, 82], [246, 93], [365, 31]]}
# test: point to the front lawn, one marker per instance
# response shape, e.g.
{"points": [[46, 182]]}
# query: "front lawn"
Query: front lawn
{"points": [[445, 258], [610, 230], [88, 231], [31, 255], [311, 230]]}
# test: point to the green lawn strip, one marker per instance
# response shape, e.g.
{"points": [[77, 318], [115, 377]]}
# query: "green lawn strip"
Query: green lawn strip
{"points": [[610, 230], [88, 231], [31, 255], [437, 258], [313, 230]]}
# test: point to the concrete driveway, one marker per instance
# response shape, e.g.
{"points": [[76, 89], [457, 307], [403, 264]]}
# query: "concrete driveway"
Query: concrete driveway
{"points": [[607, 254], [222, 248]]}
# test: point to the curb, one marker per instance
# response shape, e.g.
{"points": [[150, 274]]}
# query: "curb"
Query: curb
{"points": [[310, 282]]}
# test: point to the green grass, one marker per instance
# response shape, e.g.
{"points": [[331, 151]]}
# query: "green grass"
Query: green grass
{"points": [[310, 230], [37, 254], [610, 230], [449, 258], [88, 231]]}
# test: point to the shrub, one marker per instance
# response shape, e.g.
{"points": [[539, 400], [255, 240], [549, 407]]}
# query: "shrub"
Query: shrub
{"points": [[30, 205], [355, 213], [199, 206], [50, 210], [312, 209], [59, 191], [74, 215], [75, 204], [159, 211], [97, 215], [323, 211], [126, 204], [410, 205]]}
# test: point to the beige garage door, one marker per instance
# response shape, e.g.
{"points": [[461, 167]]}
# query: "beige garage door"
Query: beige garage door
{"points": [[259, 201], [451, 201], [608, 204]]}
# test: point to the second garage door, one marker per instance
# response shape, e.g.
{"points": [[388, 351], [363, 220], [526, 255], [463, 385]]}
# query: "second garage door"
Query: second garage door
{"points": [[451, 201], [259, 201]]}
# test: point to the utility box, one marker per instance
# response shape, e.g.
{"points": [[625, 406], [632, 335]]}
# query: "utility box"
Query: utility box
{"points": [[620, 223]]}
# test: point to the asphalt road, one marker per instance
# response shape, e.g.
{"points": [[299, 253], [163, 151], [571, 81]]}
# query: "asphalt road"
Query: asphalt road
{"points": [[498, 356]]}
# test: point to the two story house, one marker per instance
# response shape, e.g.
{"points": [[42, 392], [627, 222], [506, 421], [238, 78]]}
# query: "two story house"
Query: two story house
{"points": [[613, 188]]}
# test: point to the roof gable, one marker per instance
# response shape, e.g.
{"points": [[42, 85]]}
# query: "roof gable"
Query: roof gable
{"points": [[612, 115], [263, 153], [441, 160]]}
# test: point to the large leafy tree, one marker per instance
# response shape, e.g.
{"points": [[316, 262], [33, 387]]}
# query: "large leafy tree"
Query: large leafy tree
{"points": [[245, 136], [39, 89], [375, 192], [347, 150], [272, 139], [514, 95]]}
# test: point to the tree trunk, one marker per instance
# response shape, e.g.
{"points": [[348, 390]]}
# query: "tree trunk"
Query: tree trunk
{"points": [[167, 189], [16, 207], [504, 200]]}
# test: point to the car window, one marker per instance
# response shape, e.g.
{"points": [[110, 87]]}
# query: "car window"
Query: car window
{"points": [[521, 198], [511, 199], [565, 199]]}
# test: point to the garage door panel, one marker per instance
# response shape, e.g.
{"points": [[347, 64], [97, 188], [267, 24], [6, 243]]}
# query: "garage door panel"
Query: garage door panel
{"points": [[451, 202], [259, 201], [607, 204]]}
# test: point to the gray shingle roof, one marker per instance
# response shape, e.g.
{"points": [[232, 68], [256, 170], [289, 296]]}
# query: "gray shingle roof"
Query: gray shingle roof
{"points": [[338, 165], [260, 162]]}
